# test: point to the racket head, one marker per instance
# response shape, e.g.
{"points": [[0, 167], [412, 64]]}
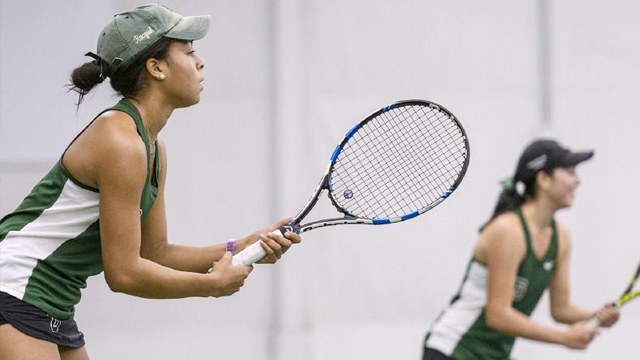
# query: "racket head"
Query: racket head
{"points": [[397, 163]]}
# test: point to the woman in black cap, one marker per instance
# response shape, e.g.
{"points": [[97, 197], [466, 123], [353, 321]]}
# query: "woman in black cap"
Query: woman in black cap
{"points": [[521, 251], [101, 207]]}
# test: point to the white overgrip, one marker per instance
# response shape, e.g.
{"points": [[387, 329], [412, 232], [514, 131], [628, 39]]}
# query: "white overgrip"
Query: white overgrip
{"points": [[251, 254], [593, 323]]}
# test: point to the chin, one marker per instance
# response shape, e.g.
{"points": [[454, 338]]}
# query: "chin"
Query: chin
{"points": [[189, 103], [568, 202]]}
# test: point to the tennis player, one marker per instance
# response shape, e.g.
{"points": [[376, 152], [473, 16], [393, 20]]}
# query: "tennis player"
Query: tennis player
{"points": [[521, 251], [101, 207]]}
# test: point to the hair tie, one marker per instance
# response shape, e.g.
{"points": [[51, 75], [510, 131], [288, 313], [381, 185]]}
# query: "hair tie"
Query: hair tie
{"points": [[509, 184], [100, 62], [514, 187]]}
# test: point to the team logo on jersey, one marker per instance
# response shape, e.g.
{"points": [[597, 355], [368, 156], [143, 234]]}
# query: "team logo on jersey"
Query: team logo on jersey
{"points": [[522, 285], [548, 265], [55, 325]]}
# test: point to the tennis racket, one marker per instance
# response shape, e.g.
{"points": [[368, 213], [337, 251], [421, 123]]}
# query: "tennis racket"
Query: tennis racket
{"points": [[629, 294], [399, 162]]}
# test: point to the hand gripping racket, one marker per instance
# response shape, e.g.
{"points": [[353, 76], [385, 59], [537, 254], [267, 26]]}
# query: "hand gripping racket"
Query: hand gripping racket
{"points": [[629, 294], [399, 162]]}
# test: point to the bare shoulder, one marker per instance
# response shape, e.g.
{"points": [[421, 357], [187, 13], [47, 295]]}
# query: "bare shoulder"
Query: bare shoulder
{"points": [[116, 129], [111, 140], [502, 235], [111, 150], [506, 225], [121, 153]]}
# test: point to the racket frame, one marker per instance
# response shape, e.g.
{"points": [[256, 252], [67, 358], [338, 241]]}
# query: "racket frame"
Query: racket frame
{"points": [[325, 182], [625, 298], [255, 251]]}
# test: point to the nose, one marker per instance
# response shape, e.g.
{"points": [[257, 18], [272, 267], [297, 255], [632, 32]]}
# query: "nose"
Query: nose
{"points": [[200, 63]]}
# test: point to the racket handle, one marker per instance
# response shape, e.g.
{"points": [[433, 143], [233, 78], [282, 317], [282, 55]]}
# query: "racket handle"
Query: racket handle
{"points": [[251, 254], [593, 323]]}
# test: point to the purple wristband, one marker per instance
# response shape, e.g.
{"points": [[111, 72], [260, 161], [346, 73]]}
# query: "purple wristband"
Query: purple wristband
{"points": [[231, 246]]}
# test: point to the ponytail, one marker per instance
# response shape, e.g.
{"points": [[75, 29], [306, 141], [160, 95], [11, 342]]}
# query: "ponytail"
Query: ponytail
{"points": [[126, 80], [85, 77], [513, 195]]}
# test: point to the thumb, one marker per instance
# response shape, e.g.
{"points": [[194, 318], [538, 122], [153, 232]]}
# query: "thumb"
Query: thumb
{"points": [[227, 257]]}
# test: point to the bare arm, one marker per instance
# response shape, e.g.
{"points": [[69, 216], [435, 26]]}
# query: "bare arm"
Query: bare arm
{"points": [[120, 165], [156, 246], [505, 248], [562, 309]]}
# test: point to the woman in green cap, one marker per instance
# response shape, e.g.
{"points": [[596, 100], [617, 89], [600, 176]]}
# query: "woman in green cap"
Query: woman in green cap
{"points": [[521, 251], [101, 207]]}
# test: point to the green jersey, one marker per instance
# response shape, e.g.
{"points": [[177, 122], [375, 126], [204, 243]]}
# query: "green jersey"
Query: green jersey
{"points": [[461, 331], [50, 244]]}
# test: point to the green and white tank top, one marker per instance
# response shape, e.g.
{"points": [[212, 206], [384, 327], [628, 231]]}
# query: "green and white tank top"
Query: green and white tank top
{"points": [[50, 244], [461, 331]]}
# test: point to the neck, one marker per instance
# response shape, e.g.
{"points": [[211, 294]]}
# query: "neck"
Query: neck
{"points": [[538, 213], [153, 112]]}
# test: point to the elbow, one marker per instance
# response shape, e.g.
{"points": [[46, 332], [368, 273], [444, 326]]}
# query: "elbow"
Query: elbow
{"points": [[494, 319], [559, 317], [119, 282]]}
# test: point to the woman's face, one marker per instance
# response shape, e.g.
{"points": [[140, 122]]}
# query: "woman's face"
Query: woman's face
{"points": [[183, 75], [561, 186]]}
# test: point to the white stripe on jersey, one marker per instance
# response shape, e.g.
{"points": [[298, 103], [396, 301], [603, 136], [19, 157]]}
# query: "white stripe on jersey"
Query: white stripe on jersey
{"points": [[72, 213], [458, 318]]}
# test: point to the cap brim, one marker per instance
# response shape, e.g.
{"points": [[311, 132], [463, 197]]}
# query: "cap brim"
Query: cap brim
{"points": [[577, 157], [190, 28]]}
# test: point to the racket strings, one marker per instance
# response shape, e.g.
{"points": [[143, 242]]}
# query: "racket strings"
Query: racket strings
{"points": [[387, 147], [401, 161]]}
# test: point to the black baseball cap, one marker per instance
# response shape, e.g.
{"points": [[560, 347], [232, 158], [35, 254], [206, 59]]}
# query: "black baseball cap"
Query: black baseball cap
{"points": [[546, 155]]}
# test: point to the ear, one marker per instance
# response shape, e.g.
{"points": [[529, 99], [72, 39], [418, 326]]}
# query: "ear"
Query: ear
{"points": [[155, 68], [543, 179]]}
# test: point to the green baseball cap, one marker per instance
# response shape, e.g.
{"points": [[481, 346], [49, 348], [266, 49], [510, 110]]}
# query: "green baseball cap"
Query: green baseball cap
{"points": [[132, 31]]}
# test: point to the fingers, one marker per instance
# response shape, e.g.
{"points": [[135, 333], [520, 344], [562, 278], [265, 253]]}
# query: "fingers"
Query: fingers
{"points": [[586, 339], [273, 249], [579, 336], [227, 278], [608, 315], [276, 245], [293, 237], [282, 243]]}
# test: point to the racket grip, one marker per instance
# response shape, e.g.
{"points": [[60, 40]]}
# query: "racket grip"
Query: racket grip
{"points": [[593, 323], [251, 254]]}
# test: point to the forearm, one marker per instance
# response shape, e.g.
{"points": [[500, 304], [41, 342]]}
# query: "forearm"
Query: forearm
{"points": [[515, 323], [144, 278], [570, 314], [188, 258]]}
